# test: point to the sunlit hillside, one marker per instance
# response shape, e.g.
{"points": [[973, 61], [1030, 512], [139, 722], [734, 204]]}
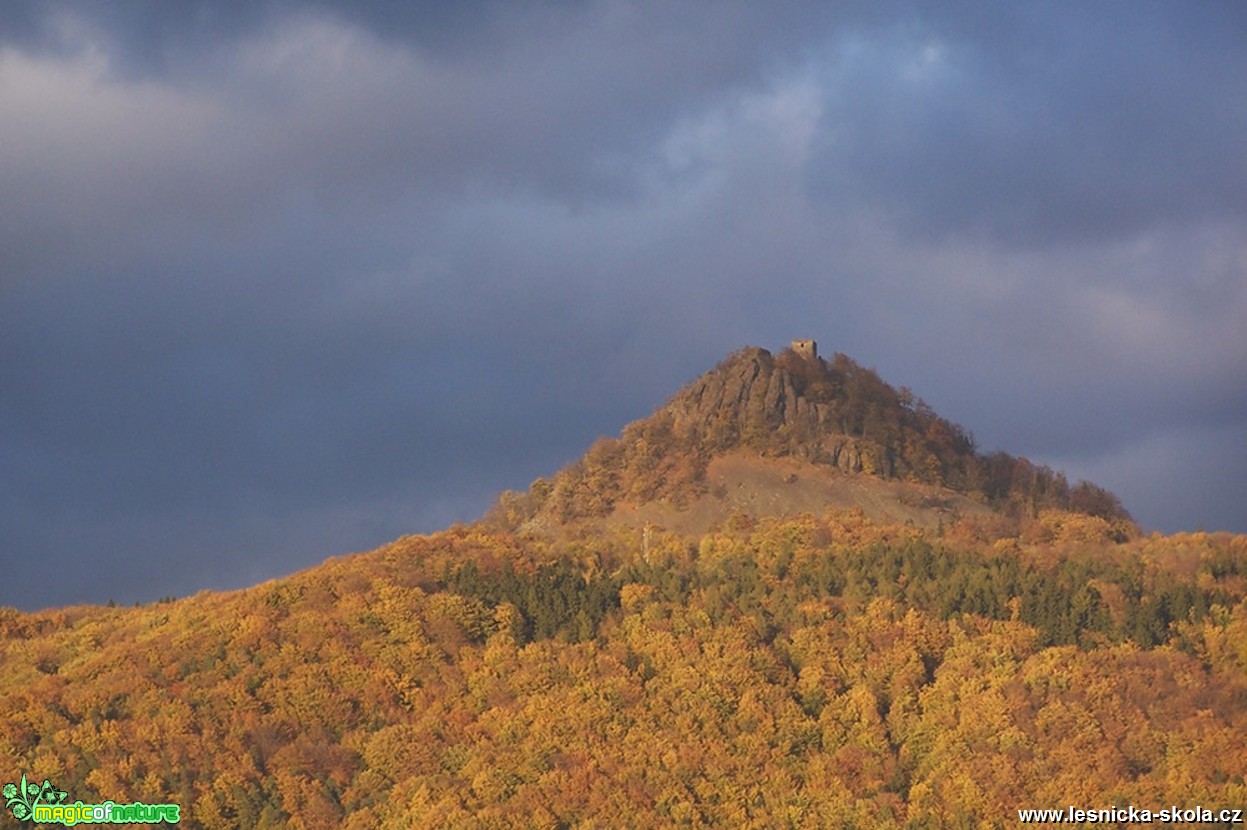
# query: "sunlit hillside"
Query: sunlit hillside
{"points": [[835, 416], [943, 654]]}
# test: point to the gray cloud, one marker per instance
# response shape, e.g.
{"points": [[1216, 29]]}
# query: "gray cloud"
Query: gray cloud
{"points": [[1083, 124], [280, 282]]}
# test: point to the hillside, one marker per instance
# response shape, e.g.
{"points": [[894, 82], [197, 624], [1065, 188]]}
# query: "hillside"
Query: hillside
{"points": [[744, 485], [848, 427], [816, 645]]}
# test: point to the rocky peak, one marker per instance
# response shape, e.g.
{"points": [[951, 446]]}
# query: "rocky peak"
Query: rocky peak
{"points": [[835, 414], [778, 405]]}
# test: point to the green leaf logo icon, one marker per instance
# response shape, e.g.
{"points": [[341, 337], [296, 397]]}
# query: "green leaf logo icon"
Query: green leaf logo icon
{"points": [[22, 797]]}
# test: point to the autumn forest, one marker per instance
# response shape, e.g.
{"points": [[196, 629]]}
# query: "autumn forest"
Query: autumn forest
{"points": [[556, 664]]}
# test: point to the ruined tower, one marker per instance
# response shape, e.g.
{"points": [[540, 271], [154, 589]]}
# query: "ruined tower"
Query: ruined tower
{"points": [[806, 348]]}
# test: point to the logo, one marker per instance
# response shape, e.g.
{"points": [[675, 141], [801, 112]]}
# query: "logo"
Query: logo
{"points": [[45, 804], [21, 799]]}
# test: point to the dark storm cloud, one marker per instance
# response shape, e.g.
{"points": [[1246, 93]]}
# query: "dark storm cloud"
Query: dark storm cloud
{"points": [[279, 281], [152, 37], [1028, 126], [561, 99]]}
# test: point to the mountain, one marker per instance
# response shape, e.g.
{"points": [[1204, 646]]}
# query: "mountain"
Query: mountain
{"points": [[849, 618], [834, 429]]}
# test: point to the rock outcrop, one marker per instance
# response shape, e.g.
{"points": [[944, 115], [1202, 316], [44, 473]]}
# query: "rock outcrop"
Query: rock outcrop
{"points": [[753, 399]]}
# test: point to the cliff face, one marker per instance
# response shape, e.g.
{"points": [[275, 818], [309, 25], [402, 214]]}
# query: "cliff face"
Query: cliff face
{"points": [[752, 399]]}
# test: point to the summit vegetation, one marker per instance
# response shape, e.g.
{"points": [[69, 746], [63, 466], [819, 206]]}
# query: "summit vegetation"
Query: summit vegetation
{"points": [[815, 669]]}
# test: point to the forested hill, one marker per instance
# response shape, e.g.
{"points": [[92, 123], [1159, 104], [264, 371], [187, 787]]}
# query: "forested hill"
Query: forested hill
{"points": [[837, 414], [812, 672], [819, 668]]}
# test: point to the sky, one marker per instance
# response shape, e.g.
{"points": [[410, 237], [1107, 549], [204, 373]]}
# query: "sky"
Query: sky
{"points": [[281, 281]]}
